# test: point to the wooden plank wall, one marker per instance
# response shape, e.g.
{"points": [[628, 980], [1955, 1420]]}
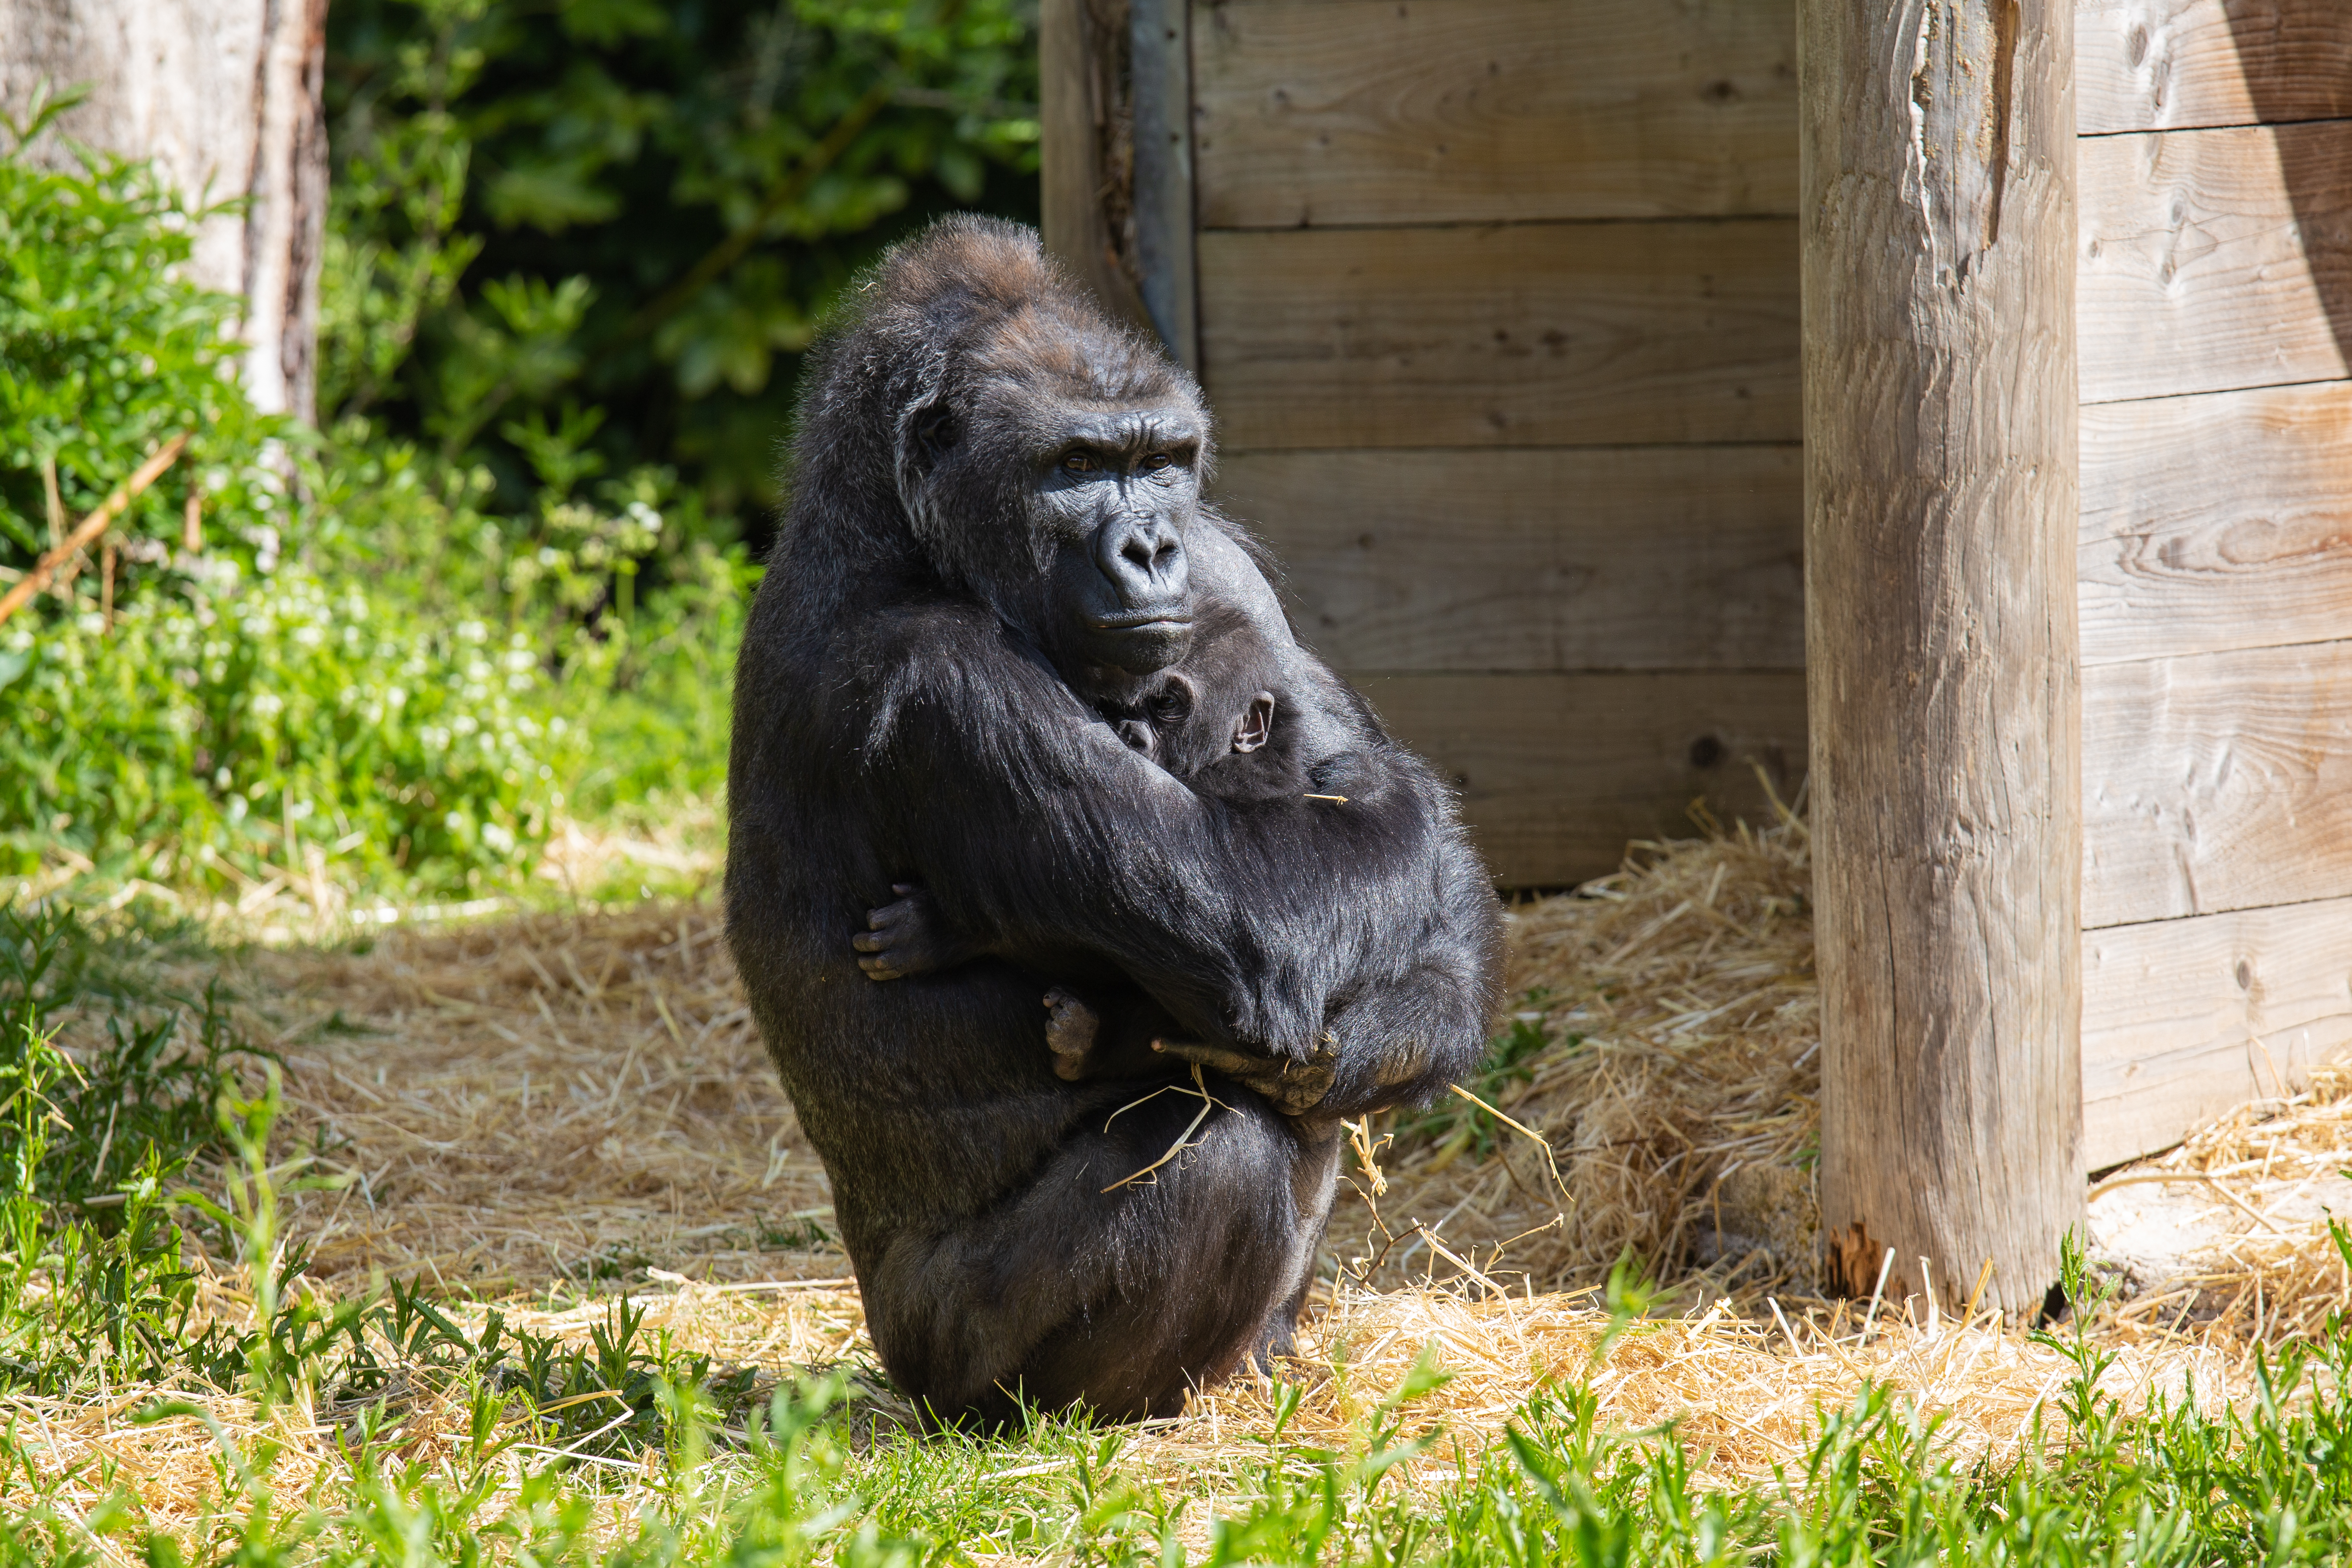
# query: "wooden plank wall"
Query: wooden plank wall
{"points": [[1499, 313], [1498, 308], [2215, 298]]}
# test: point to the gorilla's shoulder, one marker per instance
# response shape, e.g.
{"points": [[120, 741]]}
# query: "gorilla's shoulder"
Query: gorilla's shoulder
{"points": [[955, 660]]}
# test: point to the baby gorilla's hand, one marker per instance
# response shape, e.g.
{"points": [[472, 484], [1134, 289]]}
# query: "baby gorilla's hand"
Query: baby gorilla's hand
{"points": [[905, 939], [1071, 1026], [1292, 1085]]}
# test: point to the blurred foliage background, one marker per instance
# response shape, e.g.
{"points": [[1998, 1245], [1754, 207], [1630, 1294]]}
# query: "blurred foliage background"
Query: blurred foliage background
{"points": [[576, 249], [609, 225]]}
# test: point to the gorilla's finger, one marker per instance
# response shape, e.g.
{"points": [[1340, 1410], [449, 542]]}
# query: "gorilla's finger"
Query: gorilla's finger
{"points": [[880, 968], [868, 942], [1232, 1063], [1293, 1087]]}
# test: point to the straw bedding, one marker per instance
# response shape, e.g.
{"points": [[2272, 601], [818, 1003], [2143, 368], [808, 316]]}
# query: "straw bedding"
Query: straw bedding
{"points": [[544, 1099], [554, 1109], [1676, 1083]]}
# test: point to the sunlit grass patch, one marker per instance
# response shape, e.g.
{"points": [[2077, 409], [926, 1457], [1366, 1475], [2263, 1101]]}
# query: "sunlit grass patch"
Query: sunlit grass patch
{"points": [[183, 1380]]}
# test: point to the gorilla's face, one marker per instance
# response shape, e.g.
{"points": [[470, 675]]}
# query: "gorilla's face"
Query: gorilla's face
{"points": [[1069, 517], [1113, 499], [1054, 469]]}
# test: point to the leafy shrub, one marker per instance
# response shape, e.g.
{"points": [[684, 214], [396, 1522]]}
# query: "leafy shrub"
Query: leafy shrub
{"points": [[241, 698], [104, 354], [639, 208]]}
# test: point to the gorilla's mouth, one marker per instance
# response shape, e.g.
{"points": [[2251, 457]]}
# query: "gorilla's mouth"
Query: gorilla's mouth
{"points": [[1143, 621]]}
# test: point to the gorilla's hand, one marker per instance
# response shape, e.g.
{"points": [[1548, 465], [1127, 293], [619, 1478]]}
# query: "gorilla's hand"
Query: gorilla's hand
{"points": [[1291, 1085], [909, 937]]}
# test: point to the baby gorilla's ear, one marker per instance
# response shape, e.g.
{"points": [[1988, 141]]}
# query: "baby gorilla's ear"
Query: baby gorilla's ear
{"points": [[1138, 736], [1256, 723]]}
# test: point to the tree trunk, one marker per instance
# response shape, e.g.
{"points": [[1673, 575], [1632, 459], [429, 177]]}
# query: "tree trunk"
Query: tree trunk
{"points": [[226, 97], [1941, 500]]}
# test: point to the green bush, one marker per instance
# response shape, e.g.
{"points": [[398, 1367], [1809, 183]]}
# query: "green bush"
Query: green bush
{"points": [[268, 704], [641, 208]]}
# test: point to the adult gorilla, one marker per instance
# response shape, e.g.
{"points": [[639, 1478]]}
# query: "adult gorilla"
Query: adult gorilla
{"points": [[997, 524]]}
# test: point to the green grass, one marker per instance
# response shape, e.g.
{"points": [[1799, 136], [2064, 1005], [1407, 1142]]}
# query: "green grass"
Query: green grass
{"points": [[452, 1438]]}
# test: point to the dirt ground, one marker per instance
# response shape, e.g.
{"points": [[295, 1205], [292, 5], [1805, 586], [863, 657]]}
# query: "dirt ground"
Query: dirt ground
{"points": [[543, 1102]]}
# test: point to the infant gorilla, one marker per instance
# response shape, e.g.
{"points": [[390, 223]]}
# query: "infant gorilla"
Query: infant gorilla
{"points": [[1213, 722]]}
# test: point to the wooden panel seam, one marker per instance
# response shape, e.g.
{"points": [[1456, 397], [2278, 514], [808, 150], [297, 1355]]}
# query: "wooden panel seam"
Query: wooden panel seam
{"points": [[1354, 110], [2196, 64], [2185, 1019], [2215, 782], [2216, 521], [2215, 259], [1494, 335], [1527, 559], [1560, 771]]}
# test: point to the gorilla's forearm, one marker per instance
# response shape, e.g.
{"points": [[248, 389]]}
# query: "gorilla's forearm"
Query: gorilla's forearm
{"points": [[1242, 922], [1255, 927]]}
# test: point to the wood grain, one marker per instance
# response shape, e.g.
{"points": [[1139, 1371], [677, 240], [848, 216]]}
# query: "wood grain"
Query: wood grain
{"points": [[2217, 781], [1071, 65], [1368, 111], [1529, 335], [1558, 772], [2218, 521], [1941, 515], [2160, 65], [2185, 1019], [2215, 259], [1615, 559], [1161, 75]]}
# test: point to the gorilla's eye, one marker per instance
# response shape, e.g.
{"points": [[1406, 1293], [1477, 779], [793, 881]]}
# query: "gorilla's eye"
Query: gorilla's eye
{"points": [[1078, 463], [1156, 462], [1173, 704]]}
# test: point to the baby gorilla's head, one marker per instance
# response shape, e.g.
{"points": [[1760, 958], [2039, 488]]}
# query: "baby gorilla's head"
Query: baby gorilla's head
{"points": [[1213, 706]]}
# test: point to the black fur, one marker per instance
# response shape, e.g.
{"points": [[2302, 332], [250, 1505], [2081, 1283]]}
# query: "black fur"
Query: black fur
{"points": [[948, 602], [1216, 723]]}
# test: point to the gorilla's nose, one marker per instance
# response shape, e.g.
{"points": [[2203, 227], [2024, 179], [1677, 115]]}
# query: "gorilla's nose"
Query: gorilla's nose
{"points": [[1144, 560]]}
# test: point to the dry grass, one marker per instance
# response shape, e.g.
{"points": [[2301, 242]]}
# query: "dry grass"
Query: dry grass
{"points": [[1745, 1397], [550, 1098], [549, 1109], [1748, 1396], [1676, 1090], [2235, 1244]]}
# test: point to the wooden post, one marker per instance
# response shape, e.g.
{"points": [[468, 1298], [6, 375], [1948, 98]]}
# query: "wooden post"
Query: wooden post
{"points": [[1078, 87], [1160, 45], [1938, 223]]}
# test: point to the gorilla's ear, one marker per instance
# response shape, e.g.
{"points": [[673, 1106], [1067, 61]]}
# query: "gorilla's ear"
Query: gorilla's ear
{"points": [[1257, 724], [932, 431]]}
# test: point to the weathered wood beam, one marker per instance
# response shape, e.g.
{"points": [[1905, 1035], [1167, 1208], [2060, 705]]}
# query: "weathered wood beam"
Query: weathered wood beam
{"points": [[1160, 34], [1077, 85], [1938, 215]]}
